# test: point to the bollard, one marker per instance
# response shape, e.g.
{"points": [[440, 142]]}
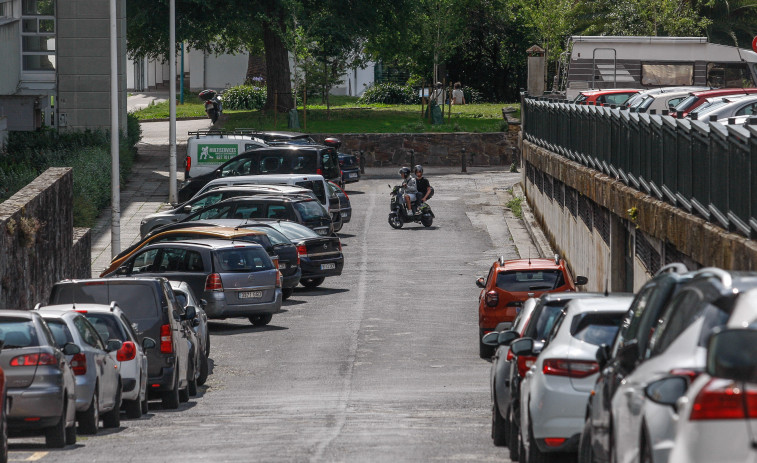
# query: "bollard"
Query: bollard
{"points": [[514, 165], [362, 162], [412, 159], [462, 160]]}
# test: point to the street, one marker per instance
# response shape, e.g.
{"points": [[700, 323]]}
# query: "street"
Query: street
{"points": [[379, 364]]}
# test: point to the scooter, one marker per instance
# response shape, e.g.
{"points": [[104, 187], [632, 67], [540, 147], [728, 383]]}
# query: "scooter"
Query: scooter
{"points": [[213, 106], [399, 215]]}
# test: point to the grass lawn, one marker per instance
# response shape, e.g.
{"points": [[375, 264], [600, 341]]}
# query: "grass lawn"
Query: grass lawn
{"points": [[346, 116]]}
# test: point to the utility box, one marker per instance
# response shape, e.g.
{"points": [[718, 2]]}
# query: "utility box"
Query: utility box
{"points": [[536, 67]]}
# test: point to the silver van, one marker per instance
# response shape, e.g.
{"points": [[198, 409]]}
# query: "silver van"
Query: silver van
{"points": [[208, 150]]}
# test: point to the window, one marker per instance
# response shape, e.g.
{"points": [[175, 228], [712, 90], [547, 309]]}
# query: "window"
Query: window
{"points": [[311, 210], [129, 327], [208, 200], [667, 74], [145, 261], [238, 167], [722, 75], [61, 334], [88, 334], [677, 317], [107, 326], [216, 212], [17, 332], [179, 260], [278, 211], [330, 163], [529, 280], [596, 328], [747, 110], [38, 35], [316, 187], [243, 260]]}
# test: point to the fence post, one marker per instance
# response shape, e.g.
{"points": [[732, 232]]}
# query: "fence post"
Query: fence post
{"points": [[463, 161], [362, 162]]}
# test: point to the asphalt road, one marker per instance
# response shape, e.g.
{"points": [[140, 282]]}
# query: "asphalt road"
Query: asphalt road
{"points": [[380, 364]]}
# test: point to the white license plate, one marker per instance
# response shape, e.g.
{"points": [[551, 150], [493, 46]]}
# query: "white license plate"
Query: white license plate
{"points": [[353, 175], [344, 214], [328, 266], [322, 231], [282, 266], [250, 294]]}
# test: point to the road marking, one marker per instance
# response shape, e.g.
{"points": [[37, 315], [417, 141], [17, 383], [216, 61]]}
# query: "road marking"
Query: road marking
{"points": [[36, 456]]}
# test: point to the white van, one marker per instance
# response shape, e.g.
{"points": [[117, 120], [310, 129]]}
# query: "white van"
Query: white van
{"points": [[206, 150]]}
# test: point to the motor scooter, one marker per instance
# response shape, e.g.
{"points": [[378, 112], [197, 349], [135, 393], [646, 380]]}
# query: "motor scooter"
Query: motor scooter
{"points": [[213, 105], [399, 215]]}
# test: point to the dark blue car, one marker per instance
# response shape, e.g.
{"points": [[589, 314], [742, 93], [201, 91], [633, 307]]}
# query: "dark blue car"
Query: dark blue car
{"points": [[350, 168]]}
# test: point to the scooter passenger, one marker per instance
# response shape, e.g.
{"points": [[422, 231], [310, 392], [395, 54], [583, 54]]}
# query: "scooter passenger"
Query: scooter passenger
{"points": [[424, 188], [410, 187]]}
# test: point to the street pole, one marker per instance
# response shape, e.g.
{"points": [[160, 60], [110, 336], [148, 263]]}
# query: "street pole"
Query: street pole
{"points": [[172, 104], [181, 80], [115, 194]]}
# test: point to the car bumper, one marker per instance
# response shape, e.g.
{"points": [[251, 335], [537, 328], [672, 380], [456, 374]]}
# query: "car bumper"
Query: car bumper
{"points": [[44, 403], [350, 176], [557, 410], [314, 269], [290, 281], [218, 309], [163, 381], [489, 318], [346, 214]]}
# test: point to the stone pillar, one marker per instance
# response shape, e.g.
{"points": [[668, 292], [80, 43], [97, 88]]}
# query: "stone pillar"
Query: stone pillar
{"points": [[536, 67]]}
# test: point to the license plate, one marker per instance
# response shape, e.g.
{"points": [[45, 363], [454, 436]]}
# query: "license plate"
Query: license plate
{"points": [[282, 266], [250, 294], [353, 175], [344, 214], [328, 266], [322, 231]]}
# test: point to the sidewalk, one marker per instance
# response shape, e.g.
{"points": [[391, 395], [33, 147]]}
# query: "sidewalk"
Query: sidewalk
{"points": [[141, 100]]}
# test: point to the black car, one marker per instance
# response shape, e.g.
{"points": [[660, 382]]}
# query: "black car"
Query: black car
{"points": [[284, 159], [301, 209], [350, 168]]}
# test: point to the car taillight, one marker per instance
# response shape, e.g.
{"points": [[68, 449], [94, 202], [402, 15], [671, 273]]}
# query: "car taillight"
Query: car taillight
{"points": [[80, 311], [166, 340], [79, 364], [302, 251], [213, 282], [319, 171], [554, 441], [278, 279], [691, 374], [492, 298], [570, 368], [721, 399], [525, 363], [30, 360], [127, 352], [189, 164], [275, 260], [339, 243], [510, 355]]}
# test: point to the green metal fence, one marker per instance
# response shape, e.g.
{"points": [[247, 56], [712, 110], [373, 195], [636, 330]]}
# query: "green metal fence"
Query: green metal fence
{"points": [[703, 167]]}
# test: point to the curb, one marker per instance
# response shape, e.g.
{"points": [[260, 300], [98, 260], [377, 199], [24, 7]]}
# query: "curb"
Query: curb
{"points": [[532, 226]]}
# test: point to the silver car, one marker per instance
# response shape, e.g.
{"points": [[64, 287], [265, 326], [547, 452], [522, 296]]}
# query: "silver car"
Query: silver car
{"points": [[186, 298], [98, 379], [40, 384]]}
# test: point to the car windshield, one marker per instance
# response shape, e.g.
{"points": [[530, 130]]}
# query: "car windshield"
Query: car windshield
{"points": [[310, 210], [580, 98], [707, 107], [539, 327], [529, 280], [596, 328], [246, 259], [107, 326], [686, 104], [17, 332], [61, 333], [275, 236]]}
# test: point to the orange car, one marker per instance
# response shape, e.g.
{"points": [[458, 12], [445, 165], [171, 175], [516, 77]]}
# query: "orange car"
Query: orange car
{"points": [[224, 233], [510, 283]]}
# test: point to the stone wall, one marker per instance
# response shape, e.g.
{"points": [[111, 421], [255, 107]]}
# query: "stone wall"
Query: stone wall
{"points": [[38, 243], [437, 149], [616, 235]]}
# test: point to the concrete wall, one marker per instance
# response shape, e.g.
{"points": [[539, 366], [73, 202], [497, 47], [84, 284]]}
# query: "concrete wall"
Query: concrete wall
{"points": [[84, 63], [616, 231], [439, 149], [38, 244], [10, 56]]}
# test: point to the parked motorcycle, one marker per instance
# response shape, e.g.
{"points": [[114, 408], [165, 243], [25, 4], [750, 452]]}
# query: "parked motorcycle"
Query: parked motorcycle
{"points": [[213, 106], [399, 214]]}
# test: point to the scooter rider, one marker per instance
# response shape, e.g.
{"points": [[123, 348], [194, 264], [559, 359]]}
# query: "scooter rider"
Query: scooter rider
{"points": [[410, 187], [424, 188]]}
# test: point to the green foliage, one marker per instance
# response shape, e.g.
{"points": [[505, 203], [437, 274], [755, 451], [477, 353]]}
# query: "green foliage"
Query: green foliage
{"points": [[472, 95], [641, 17], [244, 97], [515, 205], [389, 93]]}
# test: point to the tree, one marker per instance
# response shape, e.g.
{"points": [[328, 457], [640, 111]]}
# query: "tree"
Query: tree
{"points": [[640, 17], [732, 22]]}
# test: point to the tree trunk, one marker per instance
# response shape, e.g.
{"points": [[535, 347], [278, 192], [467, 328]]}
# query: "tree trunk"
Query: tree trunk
{"points": [[277, 66], [255, 68]]}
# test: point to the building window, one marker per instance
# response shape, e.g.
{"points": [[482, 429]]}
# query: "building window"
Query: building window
{"points": [[38, 35]]}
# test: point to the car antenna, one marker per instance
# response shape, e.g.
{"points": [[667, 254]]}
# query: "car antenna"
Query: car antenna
{"points": [[529, 256]]}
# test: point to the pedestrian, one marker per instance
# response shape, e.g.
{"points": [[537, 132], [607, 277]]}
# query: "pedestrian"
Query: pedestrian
{"points": [[458, 97], [438, 94]]}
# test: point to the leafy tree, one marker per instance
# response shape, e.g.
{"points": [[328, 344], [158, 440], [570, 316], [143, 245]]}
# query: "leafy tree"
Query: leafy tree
{"points": [[641, 17], [732, 22]]}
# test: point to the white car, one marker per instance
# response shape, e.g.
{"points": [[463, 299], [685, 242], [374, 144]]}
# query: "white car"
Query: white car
{"points": [[556, 388], [711, 413], [111, 323], [731, 106]]}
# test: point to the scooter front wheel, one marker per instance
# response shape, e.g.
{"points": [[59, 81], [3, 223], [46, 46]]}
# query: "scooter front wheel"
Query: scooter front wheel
{"points": [[213, 115], [395, 220], [427, 220]]}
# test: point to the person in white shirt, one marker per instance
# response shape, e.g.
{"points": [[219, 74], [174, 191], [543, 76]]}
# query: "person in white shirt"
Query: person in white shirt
{"points": [[438, 94], [457, 94]]}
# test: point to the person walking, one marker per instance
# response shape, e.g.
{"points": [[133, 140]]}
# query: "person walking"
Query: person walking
{"points": [[458, 97], [438, 94]]}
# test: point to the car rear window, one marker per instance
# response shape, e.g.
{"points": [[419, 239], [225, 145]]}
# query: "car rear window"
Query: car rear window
{"points": [[596, 328], [17, 332], [686, 104], [257, 239], [530, 280], [298, 231], [275, 236], [136, 299], [316, 186], [249, 259], [61, 333], [107, 326], [310, 210]]}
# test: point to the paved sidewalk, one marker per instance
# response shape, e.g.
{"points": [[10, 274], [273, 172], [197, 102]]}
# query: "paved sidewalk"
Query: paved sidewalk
{"points": [[141, 100]]}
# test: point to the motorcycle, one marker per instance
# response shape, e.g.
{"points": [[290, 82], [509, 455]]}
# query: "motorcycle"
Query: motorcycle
{"points": [[399, 215], [213, 106]]}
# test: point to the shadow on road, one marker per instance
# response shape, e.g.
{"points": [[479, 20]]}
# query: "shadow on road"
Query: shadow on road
{"points": [[224, 329], [320, 291]]}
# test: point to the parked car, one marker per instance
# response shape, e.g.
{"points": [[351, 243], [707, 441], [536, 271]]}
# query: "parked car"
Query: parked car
{"points": [[285, 159], [350, 166], [510, 282], [238, 280], [98, 378], [609, 97], [206, 150], [636, 99], [661, 102], [212, 196], [556, 388], [695, 99], [151, 305], [186, 298], [303, 210], [39, 381], [714, 410], [620, 358], [345, 207], [643, 428], [727, 107]]}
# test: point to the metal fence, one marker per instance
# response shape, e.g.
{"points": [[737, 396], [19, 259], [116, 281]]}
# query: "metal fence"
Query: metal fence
{"points": [[703, 167]]}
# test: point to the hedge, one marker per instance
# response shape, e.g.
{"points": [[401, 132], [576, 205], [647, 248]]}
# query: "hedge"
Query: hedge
{"points": [[390, 93], [244, 97]]}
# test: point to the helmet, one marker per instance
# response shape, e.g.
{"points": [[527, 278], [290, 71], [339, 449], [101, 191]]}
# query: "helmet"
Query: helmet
{"points": [[405, 171], [418, 168]]}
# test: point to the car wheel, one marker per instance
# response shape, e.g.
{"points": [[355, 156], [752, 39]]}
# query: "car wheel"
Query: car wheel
{"points": [[89, 419], [584, 444], [338, 226], [312, 282], [286, 293], [4, 435], [112, 419], [145, 406], [484, 351], [203, 370], [55, 436], [207, 344], [170, 399], [261, 320], [191, 381], [133, 409], [513, 438], [499, 426], [534, 454], [71, 434], [521, 447]]}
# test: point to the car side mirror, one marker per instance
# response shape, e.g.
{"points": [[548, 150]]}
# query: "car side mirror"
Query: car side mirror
{"points": [[177, 316], [186, 209], [730, 355], [190, 313], [580, 281], [122, 270], [603, 355], [628, 355], [113, 345], [480, 282], [667, 391], [490, 339], [203, 303], [505, 338], [148, 343], [70, 348], [504, 326], [524, 346]]}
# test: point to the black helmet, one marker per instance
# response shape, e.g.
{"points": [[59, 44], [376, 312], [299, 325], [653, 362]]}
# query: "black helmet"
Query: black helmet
{"points": [[418, 168], [405, 171]]}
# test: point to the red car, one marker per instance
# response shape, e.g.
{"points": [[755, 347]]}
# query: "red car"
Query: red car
{"points": [[616, 96], [695, 99], [510, 283]]}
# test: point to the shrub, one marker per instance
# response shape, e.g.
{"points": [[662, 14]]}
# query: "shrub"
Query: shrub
{"points": [[244, 97], [472, 95], [389, 93]]}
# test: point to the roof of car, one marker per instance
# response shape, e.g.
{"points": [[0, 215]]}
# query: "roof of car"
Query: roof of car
{"points": [[16, 313], [530, 264], [256, 187], [111, 281], [209, 230], [206, 243], [267, 198], [615, 302], [62, 308], [609, 91], [723, 91], [566, 296]]}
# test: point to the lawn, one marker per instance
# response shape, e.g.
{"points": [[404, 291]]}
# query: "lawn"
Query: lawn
{"points": [[347, 116]]}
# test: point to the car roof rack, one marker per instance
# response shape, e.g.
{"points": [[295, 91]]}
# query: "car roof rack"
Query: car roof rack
{"points": [[222, 132], [719, 273], [501, 260], [675, 267]]}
